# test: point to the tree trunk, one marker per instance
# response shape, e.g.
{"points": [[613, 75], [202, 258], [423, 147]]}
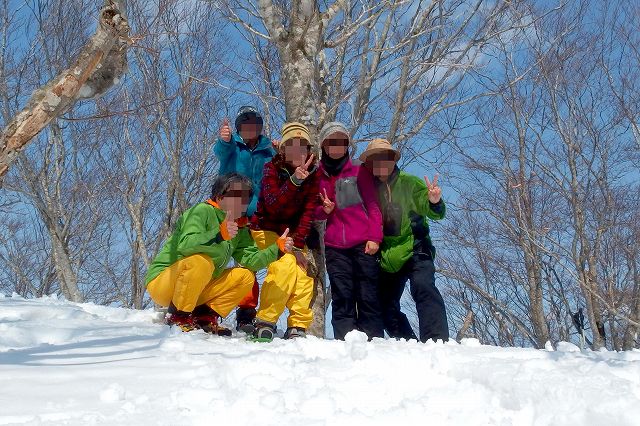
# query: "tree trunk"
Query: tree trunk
{"points": [[98, 67], [299, 47]]}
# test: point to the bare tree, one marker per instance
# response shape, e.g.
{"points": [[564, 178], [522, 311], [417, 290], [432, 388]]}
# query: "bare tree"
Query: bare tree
{"points": [[99, 65]]}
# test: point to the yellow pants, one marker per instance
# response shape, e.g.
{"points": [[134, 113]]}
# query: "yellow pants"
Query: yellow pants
{"points": [[287, 285], [187, 283]]}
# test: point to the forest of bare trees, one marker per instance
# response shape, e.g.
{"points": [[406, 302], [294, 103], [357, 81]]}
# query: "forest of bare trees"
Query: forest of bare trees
{"points": [[528, 110]]}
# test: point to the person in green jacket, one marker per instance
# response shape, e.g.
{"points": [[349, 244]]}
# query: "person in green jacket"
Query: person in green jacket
{"points": [[407, 202], [188, 275]]}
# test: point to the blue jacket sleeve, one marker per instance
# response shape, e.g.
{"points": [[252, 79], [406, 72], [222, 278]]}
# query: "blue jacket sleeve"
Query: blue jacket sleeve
{"points": [[226, 153]]}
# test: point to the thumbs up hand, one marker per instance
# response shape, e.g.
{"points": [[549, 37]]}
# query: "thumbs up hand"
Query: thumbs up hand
{"points": [[225, 130], [228, 228], [285, 243]]}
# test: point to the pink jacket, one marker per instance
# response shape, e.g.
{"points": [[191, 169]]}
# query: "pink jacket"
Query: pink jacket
{"points": [[356, 218]]}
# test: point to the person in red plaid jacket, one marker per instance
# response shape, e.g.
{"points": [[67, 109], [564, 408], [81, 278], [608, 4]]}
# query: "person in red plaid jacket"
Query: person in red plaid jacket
{"points": [[288, 199]]}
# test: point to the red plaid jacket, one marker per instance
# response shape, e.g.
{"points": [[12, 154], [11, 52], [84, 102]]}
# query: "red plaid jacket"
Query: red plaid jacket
{"points": [[282, 204]]}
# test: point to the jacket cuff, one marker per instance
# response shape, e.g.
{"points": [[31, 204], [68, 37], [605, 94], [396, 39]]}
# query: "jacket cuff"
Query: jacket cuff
{"points": [[438, 207], [296, 181]]}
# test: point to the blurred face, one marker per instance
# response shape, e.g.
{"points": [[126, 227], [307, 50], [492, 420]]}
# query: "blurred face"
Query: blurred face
{"points": [[235, 200], [296, 151], [382, 164], [336, 145], [250, 130]]}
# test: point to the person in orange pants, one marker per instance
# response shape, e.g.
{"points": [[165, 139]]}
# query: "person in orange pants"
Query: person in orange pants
{"points": [[288, 199], [188, 275]]}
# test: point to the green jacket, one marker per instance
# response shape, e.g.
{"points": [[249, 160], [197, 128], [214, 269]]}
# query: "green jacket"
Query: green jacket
{"points": [[404, 200], [198, 231]]}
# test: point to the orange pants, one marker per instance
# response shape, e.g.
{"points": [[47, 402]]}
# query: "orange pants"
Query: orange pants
{"points": [[250, 300]]}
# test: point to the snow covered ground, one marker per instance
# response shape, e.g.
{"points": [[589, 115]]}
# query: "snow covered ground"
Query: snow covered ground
{"points": [[82, 364]]}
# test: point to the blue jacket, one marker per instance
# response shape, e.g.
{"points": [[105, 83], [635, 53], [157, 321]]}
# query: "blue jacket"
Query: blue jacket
{"points": [[235, 156]]}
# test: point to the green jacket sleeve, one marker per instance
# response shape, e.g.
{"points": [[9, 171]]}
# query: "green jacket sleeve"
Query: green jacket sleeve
{"points": [[423, 205], [250, 256], [198, 236]]}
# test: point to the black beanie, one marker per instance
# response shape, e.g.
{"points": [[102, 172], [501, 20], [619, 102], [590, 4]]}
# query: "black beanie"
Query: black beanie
{"points": [[246, 114]]}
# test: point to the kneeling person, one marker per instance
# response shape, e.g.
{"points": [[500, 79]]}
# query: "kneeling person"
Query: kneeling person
{"points": [[188, 275], [288, 199]]}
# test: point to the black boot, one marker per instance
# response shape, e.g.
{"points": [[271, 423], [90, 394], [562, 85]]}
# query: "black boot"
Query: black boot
{"points": [[294, 333], [244, 319]]}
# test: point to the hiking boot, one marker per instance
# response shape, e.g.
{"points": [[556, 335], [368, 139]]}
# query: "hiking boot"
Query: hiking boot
{"points": [[264, 331], [211, 324], [244, 320], [208, 321], [294, 333], [182, 320]]}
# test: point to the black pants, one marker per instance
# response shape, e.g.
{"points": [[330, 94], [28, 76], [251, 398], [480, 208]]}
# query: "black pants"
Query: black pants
{"points": [[354, 291], [432, 316]]}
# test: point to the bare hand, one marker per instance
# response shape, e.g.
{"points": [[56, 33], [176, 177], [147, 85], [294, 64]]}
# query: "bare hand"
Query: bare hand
{"points": [[327, 204], [371, 248], [435, 192], [302, 172], [285, 243], [225, 130], [231, 226]]}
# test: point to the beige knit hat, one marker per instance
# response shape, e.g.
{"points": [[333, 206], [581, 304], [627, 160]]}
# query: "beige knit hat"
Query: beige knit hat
{"points": [[294, 130], [376, 146]]}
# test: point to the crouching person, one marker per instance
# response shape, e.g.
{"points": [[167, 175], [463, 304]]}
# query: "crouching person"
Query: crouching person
{"points": [[288, 199], [406, 202], [188, 274]]}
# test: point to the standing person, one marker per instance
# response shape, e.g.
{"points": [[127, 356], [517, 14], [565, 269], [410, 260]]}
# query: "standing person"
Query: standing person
{"points": [[352, 237], [407, 252], [288, 200], [188, 275], [245, 152]]}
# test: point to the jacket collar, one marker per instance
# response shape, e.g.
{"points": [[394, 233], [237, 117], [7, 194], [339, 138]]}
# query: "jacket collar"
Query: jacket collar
{"points": [[243, 221], [264, 143]]}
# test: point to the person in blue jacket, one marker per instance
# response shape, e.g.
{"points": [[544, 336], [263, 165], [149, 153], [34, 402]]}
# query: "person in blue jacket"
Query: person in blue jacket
{"points": [[245, 152]]}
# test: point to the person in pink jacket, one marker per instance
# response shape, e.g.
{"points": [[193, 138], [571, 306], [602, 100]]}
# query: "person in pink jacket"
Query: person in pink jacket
{"points": [[353, 235]]}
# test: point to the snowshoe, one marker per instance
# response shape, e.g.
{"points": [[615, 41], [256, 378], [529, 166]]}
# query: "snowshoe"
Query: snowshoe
{"points": [[264, 332], [208, 321], [210, 324], [295, 333], [183, 321]]}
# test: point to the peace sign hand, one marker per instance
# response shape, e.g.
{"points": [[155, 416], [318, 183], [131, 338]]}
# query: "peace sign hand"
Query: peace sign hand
{"points": [[435, 192], [327, 204], [302, 172], [225, 130]]}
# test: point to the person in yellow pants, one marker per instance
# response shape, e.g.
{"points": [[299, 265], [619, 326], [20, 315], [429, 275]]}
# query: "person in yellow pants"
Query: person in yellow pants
{"points": [[188, 275], [288, 199]]}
